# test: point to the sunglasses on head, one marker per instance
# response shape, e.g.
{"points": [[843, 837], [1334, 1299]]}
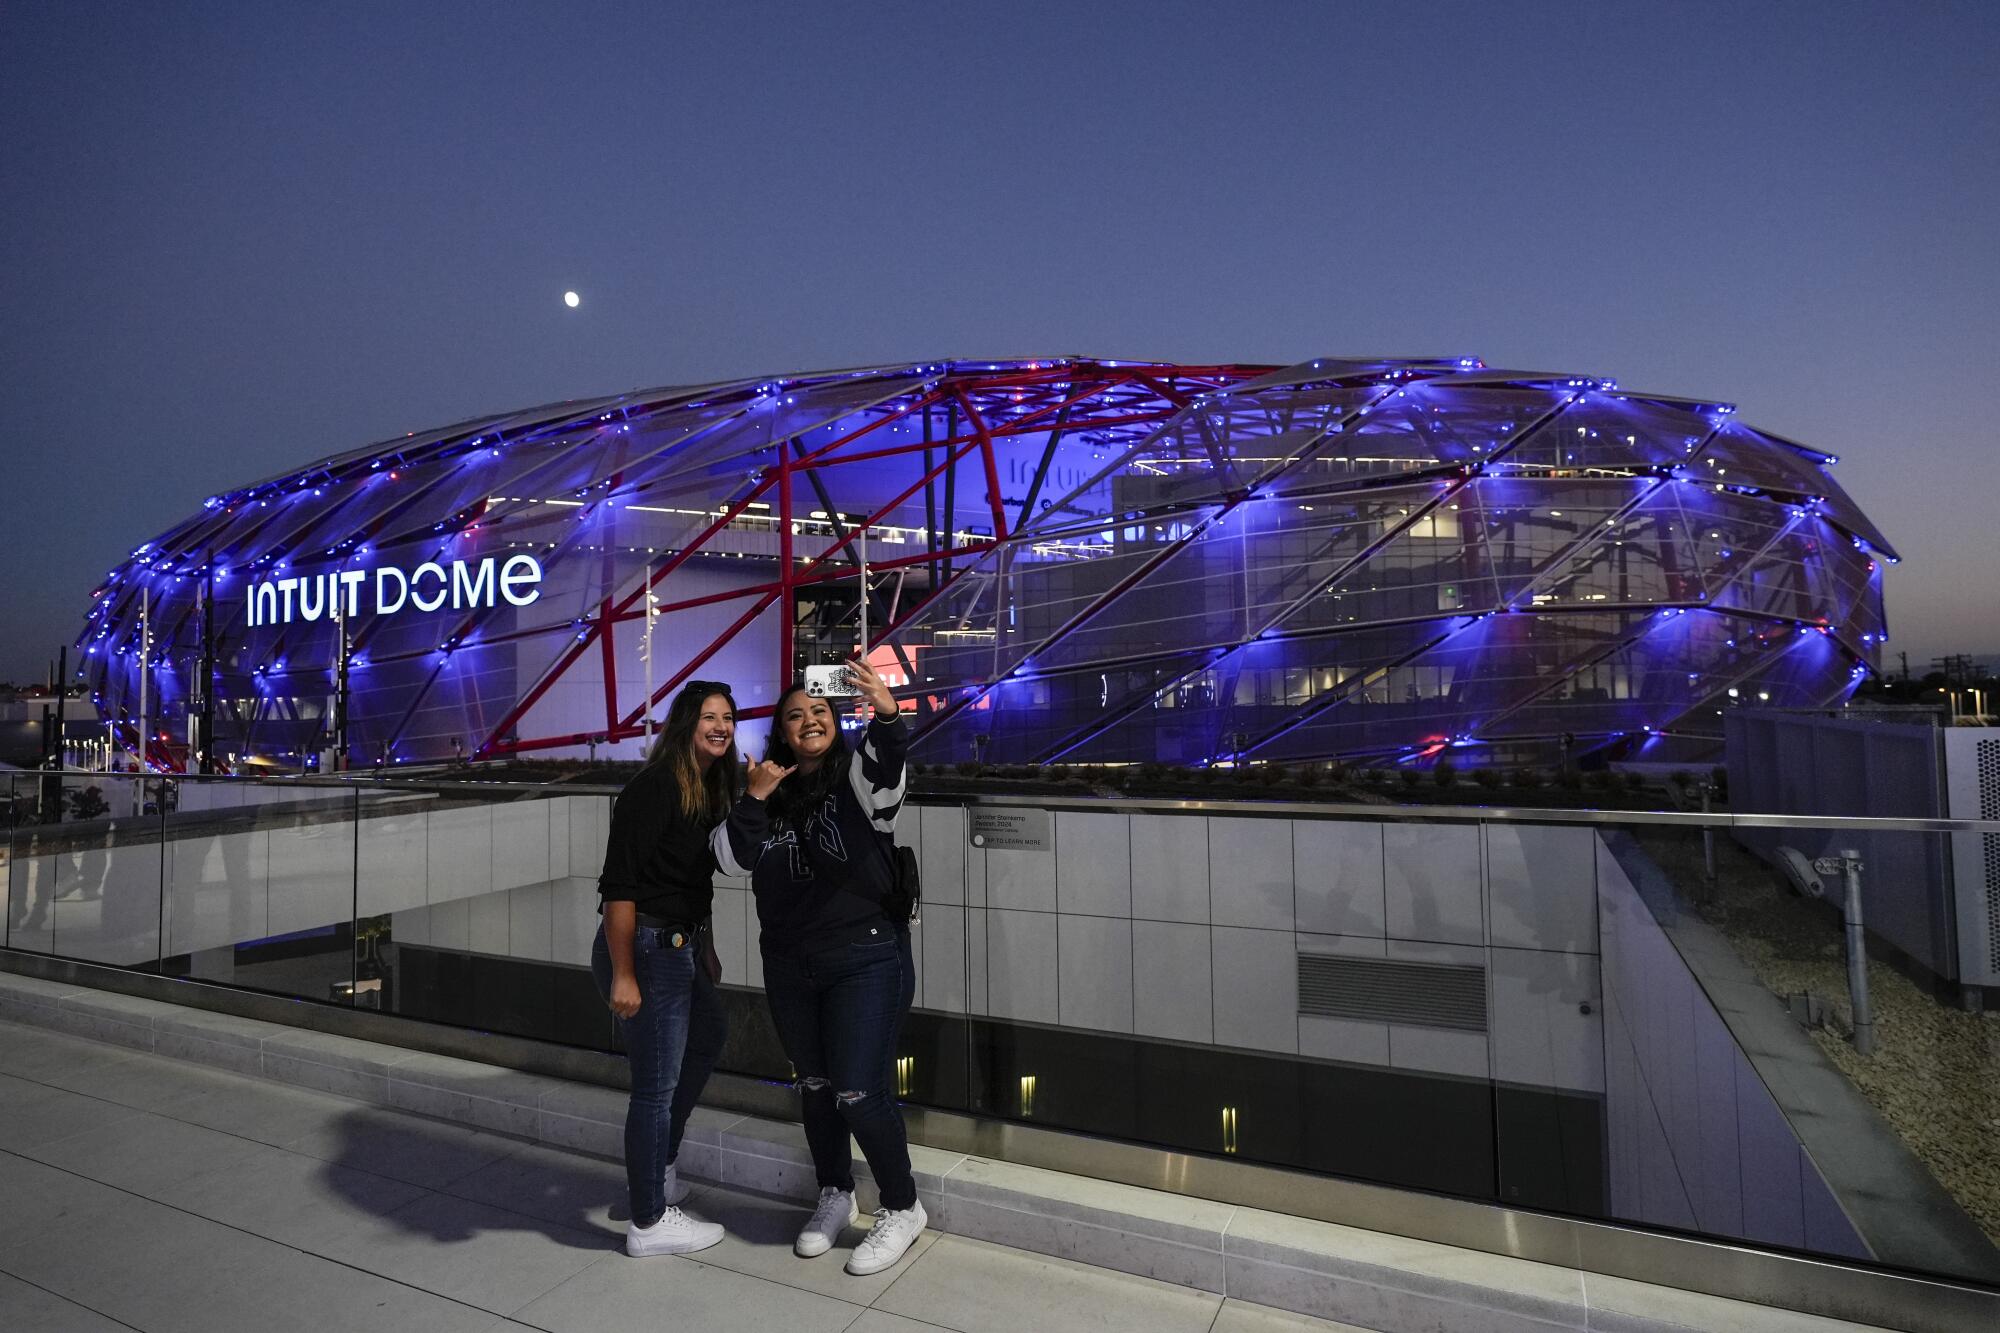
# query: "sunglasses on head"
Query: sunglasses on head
{"points": [[706, 687]]}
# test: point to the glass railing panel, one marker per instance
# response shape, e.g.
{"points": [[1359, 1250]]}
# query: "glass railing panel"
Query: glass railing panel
{"points": [[1635, 1017], [7, 821], [1182, 978], [259, 885], [1564, 1012], [1543, 1022], [477, 905], [932, 1051], [82, 868], [1743, 1098]]}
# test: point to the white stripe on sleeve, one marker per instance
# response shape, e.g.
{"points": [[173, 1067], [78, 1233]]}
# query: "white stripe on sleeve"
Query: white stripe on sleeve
{"points": [[725, 855]]}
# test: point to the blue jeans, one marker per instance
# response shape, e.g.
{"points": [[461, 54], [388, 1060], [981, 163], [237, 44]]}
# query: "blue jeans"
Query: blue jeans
{"points": [[672, 1044], [838, 1014]]}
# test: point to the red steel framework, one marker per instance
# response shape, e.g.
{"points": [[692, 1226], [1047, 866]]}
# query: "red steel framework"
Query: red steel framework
{"points": [[962, 390]]}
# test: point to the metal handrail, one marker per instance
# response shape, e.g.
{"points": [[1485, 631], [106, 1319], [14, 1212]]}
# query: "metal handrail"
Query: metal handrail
{"points": [[1091, 801], [1475, 814]]}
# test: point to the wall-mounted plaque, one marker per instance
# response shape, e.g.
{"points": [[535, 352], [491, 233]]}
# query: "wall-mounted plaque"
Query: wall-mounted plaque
{"points": [[1023, 830]]}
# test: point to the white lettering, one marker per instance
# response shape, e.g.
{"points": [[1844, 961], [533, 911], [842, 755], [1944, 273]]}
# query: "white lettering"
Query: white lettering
{"points": [[476, 591], [466, 585], [520, 569], [417, 598], [383, 606], [351, 580], [316, 607]]}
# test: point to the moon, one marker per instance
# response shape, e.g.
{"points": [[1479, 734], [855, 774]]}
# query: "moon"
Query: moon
{"points": [[572, 300]]}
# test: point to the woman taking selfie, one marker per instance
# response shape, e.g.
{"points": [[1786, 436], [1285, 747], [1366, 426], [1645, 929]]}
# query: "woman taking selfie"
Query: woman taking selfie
{"points": [[813, 833], [654, 959]]}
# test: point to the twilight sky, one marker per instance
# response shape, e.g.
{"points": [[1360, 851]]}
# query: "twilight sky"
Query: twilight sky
{"points": [[236, 237]]}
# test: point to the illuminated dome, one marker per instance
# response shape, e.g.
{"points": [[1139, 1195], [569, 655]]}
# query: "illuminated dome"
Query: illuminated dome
{"points": [[1067, 559]]}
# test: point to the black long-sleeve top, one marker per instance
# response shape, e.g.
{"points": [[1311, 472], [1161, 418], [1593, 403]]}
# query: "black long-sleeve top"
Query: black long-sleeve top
{"points": [[656, 857], [819, 884]]}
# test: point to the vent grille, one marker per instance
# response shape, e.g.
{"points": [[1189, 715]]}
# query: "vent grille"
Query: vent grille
{"points": [[1987, 765], [1379, 990]]}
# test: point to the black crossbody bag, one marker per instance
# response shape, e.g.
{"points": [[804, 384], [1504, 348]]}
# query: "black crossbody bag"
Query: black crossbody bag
{"points": [[904, 903]]}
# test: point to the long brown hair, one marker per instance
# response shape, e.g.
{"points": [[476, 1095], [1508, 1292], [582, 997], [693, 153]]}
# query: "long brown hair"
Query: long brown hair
{"points": [[703, 796]]}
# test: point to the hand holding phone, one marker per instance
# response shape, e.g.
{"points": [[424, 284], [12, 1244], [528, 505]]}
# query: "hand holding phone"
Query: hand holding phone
{"points": [[868, 683], [829, 682]]}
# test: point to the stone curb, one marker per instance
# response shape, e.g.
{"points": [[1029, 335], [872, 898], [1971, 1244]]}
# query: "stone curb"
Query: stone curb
{"points": [[1316, 1268]]}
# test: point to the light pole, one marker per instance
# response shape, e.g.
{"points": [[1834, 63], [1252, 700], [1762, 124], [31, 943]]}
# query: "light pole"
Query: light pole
{"points": [[204, 719], [145, 664], [341, 649], [646, 655]]}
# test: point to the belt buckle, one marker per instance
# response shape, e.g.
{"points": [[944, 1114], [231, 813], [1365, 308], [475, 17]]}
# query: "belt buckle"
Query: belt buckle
{"points": [[677, 939]]}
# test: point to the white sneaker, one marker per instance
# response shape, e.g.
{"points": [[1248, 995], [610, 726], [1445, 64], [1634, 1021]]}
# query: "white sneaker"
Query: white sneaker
{"points": [[893, 1234], [677, 1189], [674, 1233], [836, 1210]]}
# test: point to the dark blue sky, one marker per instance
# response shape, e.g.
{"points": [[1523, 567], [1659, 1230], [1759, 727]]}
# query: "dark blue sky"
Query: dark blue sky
{"points": [[233, 238]]}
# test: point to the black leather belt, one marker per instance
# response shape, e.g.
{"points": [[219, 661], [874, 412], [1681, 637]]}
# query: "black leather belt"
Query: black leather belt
{"points": [[686, 930]]}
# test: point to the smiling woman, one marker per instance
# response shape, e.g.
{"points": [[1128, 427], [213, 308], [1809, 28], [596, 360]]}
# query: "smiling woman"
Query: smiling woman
{"points": [[654, 957], [814, 832]]}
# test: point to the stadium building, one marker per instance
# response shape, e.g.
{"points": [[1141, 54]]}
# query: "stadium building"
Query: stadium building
{"points": [[1057, 560]]}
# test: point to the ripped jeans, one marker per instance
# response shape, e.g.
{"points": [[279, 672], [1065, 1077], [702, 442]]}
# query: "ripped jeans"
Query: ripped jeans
{"points": [[838, 1013]]}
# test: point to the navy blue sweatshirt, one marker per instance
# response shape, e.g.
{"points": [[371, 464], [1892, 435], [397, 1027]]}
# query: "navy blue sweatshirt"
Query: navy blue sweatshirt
{"points": [[819, 885]]}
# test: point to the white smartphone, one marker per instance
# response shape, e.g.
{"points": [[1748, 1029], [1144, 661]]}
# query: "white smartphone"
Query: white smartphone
{"points": [[830, 682]]}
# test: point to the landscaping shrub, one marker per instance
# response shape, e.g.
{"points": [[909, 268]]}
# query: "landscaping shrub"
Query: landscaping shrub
{"points": [[1444, 773]]}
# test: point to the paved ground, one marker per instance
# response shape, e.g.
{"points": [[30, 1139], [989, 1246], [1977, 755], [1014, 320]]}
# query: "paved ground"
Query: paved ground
{"points": [[139, 1192]]}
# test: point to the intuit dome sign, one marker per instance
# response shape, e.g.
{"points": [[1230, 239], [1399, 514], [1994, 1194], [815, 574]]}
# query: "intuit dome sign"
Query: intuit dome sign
{"points": [[349, 594]]}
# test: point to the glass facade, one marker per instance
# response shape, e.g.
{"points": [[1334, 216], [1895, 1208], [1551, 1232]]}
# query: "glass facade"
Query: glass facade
{"points": [[1065, 560]]}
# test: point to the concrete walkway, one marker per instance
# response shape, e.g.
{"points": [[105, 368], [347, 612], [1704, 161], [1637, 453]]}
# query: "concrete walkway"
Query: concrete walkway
{"points": [[142, 1192]]}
